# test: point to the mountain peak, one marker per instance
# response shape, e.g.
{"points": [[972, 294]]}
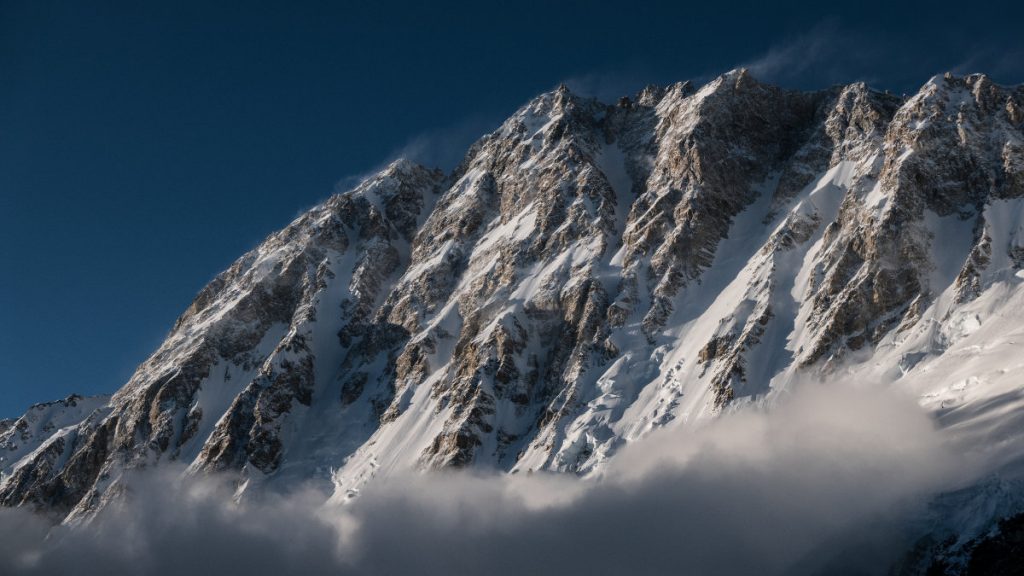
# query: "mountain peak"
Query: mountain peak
{"points": [[404, 168], [591, 273]]}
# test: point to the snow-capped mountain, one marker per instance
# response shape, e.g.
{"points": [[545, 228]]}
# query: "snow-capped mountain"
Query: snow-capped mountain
{"points": [[589, 273]]}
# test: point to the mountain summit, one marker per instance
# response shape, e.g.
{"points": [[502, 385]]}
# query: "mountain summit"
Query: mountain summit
{"points": [[589, 273]]}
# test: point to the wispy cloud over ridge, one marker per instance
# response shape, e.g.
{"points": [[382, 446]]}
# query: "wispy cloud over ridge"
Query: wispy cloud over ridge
{"points": [[825, 54], [831, 52], [443, 147], [607, 86]]}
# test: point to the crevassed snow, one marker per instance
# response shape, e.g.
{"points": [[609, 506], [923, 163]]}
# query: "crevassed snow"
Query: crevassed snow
{"points": [[974, 385]]}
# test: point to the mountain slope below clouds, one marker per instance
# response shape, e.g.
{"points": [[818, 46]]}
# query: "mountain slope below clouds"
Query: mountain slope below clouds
{"points": [[588, 274]]}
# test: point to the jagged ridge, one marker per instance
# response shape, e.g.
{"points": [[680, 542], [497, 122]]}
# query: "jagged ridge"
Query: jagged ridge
{"points": [[588, 273]]}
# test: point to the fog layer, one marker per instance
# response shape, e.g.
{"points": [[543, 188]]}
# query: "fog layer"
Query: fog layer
{"points": [[824, 481]]}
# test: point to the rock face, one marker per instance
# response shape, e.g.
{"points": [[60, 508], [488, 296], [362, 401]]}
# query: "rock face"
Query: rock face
{"points": [[590, 272], [48, 436]]}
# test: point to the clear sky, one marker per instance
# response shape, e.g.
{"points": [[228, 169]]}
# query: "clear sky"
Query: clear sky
{"points": [[144, 145]]}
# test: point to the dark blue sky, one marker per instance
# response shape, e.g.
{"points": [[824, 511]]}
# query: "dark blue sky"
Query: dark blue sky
{"points": [[144, 146]]}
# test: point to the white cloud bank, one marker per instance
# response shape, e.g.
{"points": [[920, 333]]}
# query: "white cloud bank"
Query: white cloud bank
{"points": [[825, 481]]}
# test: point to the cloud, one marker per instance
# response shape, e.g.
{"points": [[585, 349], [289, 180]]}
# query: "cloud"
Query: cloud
{"points": [[828, 477], [607, 86], [443, 147], [832, 52], [825, 54], [1001, 64]]}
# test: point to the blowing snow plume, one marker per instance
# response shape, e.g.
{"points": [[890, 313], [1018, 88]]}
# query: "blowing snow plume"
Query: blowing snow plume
{"points": [[828, 477]]}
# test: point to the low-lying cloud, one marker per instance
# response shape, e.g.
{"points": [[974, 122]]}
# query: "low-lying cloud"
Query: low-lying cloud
{"points": [[824, 481]]}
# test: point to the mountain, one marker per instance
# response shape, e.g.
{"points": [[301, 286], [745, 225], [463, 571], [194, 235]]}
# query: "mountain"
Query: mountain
{"points": [[589, 273]]}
